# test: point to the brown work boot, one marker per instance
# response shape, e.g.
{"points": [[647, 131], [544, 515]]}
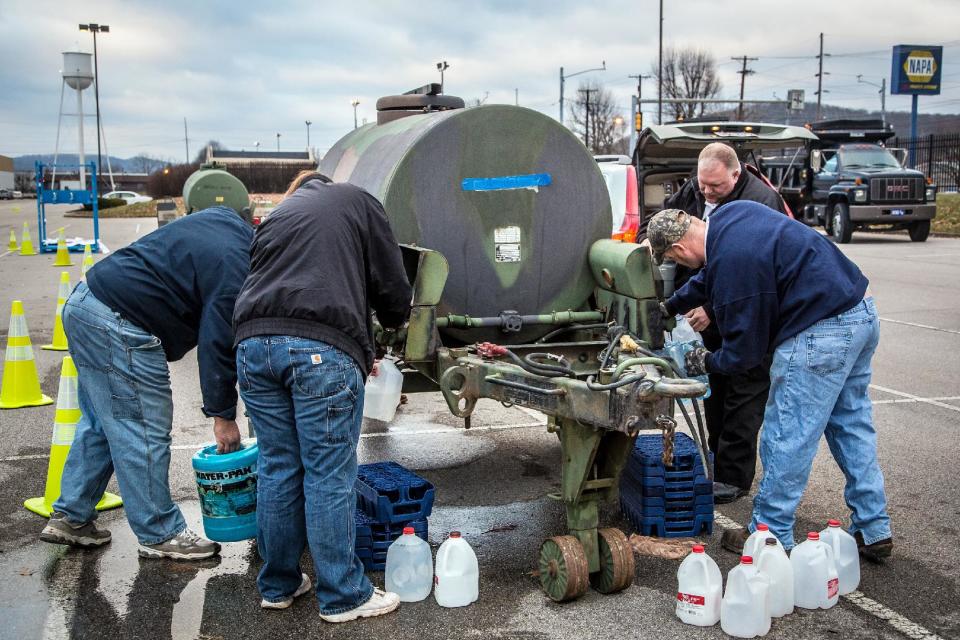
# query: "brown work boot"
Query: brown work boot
{"points": [[876, 552], [734, 539]]}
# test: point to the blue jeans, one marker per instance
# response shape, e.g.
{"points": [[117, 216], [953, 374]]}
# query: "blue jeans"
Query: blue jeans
{"points": [[818, 386], [305, 400], [127, 414]]}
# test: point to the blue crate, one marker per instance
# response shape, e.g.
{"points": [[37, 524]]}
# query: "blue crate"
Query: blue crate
{"points": [[657, 506], [670, 526], [368, 528], [646, 459], [372, 560], [391, 494]]}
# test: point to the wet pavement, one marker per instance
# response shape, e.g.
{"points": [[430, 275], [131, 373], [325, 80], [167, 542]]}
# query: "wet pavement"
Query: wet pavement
{"points": [[492, 484]]}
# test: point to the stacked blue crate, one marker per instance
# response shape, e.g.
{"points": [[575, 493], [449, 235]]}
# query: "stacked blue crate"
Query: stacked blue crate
{"points": [[389, 498], [669, 502]]}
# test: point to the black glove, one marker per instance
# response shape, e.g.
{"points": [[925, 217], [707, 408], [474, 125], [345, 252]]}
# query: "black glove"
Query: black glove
{"points": [[663, 311], [696, 362]]}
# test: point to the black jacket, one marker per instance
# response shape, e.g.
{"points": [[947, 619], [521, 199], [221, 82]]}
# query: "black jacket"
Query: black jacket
{"points": [[180, 283], [318, 264]]}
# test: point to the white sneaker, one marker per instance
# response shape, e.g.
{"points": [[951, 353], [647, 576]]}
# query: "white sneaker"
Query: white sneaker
{"points": [[380, 602], [186, 545], [286, 602]]}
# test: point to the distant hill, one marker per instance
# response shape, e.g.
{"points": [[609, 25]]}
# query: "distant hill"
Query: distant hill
{"points": [[137, 164]]}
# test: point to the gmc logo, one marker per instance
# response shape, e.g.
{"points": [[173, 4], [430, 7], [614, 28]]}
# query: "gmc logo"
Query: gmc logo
{"points": [[898, 188]]}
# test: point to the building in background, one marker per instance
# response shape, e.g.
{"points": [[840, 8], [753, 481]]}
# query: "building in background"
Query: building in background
{"points": [[6, 173]]}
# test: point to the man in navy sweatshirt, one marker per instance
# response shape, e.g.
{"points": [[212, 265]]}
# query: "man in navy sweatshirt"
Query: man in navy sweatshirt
{"points": [[777, 286], [141, 307]]}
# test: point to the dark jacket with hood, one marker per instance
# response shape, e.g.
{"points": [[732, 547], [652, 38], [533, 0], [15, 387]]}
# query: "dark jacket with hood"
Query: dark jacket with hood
{"points": [[323, 259]]}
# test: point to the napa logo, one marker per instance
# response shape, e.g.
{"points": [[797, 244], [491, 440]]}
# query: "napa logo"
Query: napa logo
{"points": [[920, 66]]}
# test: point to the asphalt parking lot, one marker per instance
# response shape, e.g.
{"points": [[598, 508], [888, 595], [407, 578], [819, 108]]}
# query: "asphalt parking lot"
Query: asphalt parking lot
{"points": [[492, 484]]}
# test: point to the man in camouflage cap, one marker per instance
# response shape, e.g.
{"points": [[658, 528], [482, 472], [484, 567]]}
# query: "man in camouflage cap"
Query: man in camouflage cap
{"points": [[777, 286]]}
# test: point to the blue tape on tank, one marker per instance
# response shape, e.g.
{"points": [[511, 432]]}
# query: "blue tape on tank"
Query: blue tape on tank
{"points": [[504, 183]]}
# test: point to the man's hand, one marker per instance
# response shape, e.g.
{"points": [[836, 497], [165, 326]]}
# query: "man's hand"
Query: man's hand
{"points": [[666, 315], [227, 434], [375, 370], [698, 318], [696, 362]]}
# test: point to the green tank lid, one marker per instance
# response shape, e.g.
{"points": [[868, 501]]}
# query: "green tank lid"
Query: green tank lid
{"points": [[212, 186]]}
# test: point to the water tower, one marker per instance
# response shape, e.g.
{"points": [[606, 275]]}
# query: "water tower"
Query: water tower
{"points": [[78, 75]]}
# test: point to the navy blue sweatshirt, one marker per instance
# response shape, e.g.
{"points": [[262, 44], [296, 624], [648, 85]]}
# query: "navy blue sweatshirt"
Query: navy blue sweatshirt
{"points": [[768, 278], [180, 283]]}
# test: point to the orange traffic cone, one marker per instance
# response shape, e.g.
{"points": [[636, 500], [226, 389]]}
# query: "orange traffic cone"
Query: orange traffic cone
{"points": [[20, 386], [63, 253], [59, 337], [26, 244], [13, 246], [64, 428], [87, 261]]}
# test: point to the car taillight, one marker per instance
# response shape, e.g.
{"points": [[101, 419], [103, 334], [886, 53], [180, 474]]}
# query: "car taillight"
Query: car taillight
{"points": [[631, 219]]}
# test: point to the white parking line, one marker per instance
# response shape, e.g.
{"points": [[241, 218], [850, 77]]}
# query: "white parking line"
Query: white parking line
{"points": [[910, 400], [914, 398], [903, 625], [919, 326]]}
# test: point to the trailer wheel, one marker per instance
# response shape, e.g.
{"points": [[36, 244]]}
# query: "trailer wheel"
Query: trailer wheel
{"points": [[617, 562], [919, 230], [841, 229], [564, 573]]}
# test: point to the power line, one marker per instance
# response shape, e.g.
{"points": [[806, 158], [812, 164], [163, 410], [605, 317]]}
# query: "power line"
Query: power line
{"points": [[744, 72]]}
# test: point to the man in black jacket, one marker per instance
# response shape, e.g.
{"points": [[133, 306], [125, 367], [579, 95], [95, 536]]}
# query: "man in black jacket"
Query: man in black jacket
{"points": [[141, 307], [734, 410], [323, 259]]}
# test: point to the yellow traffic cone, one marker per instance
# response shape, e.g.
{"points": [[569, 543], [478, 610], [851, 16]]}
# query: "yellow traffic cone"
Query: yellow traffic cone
{"points": [[13, 246], [59, 337], [20, 386], [26, 244], [64, 428], [63, 254], [87, 261]]}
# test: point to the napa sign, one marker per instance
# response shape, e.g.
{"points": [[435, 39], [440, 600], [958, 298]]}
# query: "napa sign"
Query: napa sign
{"points": [[916, 70]]}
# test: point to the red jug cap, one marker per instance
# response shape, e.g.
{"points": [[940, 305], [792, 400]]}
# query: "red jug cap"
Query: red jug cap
{"points": [[813, 535], [746, 559], [833, 523], [762, 527], [454, 534], [408, 531], [697, 548]]}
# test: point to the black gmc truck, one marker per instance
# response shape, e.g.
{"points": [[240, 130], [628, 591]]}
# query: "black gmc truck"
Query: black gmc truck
{"points": [[847, 180]]}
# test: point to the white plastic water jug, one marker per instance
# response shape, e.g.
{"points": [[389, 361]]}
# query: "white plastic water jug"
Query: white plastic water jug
{"points": [[382, 392], [845, 555], [754, 544], [745, 611], [457, 575], [774, 563], [816, 584], [683, 339], [699, 589], [409, 570]]}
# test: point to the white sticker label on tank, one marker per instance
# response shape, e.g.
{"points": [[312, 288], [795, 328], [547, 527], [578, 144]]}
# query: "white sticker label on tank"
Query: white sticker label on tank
{"points": [[506, 242]]}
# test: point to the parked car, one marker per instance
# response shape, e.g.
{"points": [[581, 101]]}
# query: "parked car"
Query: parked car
{"points": [[17, 195], [6, 194], [130, 197], [621, 179]]}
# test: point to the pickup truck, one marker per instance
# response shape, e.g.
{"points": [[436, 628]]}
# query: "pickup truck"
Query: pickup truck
{"points": [[846, 179]]}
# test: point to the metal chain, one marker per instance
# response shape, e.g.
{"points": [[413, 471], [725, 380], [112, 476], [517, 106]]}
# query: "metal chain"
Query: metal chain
{"points": [[668, 425]]}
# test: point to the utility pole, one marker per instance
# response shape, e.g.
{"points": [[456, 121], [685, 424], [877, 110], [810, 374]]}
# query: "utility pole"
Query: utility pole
{"points": [[308, 134], [95, 28], [354, 103], [883, 96], [743, 77], [602, 67], [586, 119], [820, 90], [186, 140], [640, 78], [441, 67], [660, 71], [516, 97], [278, 142]]}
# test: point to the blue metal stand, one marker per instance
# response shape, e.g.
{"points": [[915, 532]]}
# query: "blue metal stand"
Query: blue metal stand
{"points": [[66, 196]]}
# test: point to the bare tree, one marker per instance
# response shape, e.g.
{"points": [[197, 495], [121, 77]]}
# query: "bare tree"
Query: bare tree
{"points": [[596, 119], [145, 163], [688, 73], [202, 154]]}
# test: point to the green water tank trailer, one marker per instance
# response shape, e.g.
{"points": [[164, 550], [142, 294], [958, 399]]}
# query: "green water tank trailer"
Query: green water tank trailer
{"points": [[211, 186], [508, 195]]}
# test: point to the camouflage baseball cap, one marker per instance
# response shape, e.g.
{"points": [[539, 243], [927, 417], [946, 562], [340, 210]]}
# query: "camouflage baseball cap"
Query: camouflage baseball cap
{"points": [[665, 229]]}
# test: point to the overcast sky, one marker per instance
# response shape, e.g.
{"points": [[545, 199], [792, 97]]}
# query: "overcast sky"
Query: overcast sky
{"points": [[242, 71]]}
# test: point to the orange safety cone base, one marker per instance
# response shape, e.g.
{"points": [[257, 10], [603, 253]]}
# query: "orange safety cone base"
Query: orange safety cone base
{"points": [[44, 400], [39, 505]]}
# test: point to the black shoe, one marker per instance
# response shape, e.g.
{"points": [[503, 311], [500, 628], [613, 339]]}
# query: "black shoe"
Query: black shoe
{"points": [[876, 552], [734, 539], [724, 493]]}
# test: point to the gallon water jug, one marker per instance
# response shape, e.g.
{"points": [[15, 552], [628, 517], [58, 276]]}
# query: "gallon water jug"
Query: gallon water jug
{"points": [[457, 577], [699, 590], [775, 565], [845, 555], [682, 340], [745, 611], [382, 392], [227, 484], [409, 570], [816, 584], [754, 544]]}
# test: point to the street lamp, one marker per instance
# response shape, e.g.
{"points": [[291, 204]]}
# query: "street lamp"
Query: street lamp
{"points": [[354, 103], [602, 67], [256, 146], [441, 67], [883, 96], [308, 133], [95, 28], [278, 142]]}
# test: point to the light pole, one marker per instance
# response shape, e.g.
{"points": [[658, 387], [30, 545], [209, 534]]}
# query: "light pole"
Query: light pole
{"points": [[883, 96], [308, 134], [95, 28], [354, 103], [441, 67], [256, 145], [278, 142], [602, 67]]}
